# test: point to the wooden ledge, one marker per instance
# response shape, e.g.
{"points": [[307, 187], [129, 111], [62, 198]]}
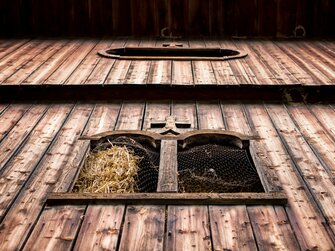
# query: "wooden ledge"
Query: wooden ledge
{"points": [[272, 198]]}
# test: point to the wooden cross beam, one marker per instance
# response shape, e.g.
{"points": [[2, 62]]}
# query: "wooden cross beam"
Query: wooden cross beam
{"points": [[169, 126]]}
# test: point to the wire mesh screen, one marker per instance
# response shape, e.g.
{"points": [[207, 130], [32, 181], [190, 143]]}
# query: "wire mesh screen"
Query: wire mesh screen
{"points": [[147, 175], [216, 168]]}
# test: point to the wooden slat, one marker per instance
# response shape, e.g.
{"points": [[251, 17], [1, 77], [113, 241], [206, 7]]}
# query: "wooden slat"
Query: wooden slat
{"points": [[51, 64], [101, 228], [291, 50], [10, 117], [168, 167], [259, 68], [317, 180], [231, 228], [188, 228], [19, 169], [11, 46], [273, 198], [119, 71], [210, 115], [14, 65], [186, 111], [60, 75], [33, 64], [19, 133], [84, 69], [55, 173], [131, 116], [325, 115], [321, 142], [309, 226], [239, 67], [203, 72], [155, 111], [143, 228], [271, 228], [56, 228], [101, 71], [139, 69], [223, 72]]}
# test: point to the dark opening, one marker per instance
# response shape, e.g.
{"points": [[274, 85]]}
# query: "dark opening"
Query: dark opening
{"points": [[173, 52], [213, 168]]}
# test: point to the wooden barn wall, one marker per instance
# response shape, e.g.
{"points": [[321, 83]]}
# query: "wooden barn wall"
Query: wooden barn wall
{"points": [[274, 18]]}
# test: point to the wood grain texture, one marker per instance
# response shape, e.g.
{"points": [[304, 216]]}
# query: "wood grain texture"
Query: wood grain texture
{"points": [[309, 223], [188, 228], [231, 228], [143, 228], [56, 228], [272, 229], [55, 173], [101, 228]]}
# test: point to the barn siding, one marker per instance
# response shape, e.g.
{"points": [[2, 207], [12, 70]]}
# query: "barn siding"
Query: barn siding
{"points": [[303, 171]]}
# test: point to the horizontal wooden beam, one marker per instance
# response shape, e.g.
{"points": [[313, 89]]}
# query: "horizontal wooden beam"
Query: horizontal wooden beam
{"points": [[273, 198], [276, 93]]}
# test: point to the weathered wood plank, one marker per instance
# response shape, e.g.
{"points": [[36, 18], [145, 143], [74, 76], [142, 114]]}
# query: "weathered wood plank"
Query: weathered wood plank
{"points": [[223, 72], [290, 50], [131, 116], [231, 228], [271, 228], [13, 66], [20, 132], [61, 74], [51, 64], [185, 111], [274, 198], [258, 67], [139, 69], [84, 69], [203, 72], [56, 228], [155, 111], [143, 228], [309, 224], [210, 115], [319, 140], [101, 228], [104, 67], [239, 67], [168, 167], [55, 169], [21, 166], [325, 115], [10, 117], [11, 46], [317, 180], [188, 228], [33, 64], [120, 69]]}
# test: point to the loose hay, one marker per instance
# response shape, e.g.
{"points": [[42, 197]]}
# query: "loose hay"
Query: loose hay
{"points": [[112, 170]]}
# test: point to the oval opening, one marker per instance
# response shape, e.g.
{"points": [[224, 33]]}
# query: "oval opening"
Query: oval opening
{"points": [[173, 53]]}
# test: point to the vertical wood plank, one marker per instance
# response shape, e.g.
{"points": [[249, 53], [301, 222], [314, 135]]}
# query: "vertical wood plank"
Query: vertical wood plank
{"points": [[308, 223], [168, 167], [54, 173], [272, 228], [101, 228], [20, 167], [210, 115], [143, 228], [188, 228], [186, 111], [231, 228], [56, 228]]}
